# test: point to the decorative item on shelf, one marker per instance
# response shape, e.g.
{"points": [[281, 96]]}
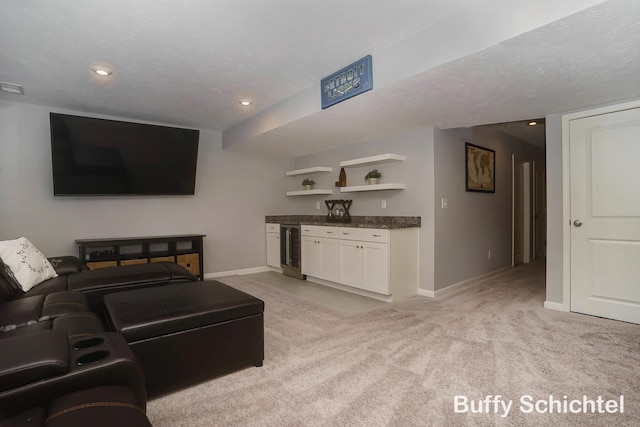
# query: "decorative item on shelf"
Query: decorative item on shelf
{"points": [[308, 183], [372, 176], [338, 210], [342, 179]]}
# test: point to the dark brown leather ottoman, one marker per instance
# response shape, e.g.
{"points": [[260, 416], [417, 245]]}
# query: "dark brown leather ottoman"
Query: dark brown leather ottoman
{"points": [[186, 333]]}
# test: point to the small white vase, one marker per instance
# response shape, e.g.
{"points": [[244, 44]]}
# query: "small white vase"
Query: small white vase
{"points": [[373, 181], [307, 187]]}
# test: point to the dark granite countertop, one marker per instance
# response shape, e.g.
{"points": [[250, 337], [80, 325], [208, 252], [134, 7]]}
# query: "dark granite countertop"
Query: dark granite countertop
{"points": [[356, 221]]}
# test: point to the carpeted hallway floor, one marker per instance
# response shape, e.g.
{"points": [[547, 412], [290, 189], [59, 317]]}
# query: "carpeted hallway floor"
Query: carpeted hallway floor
{"points": [[403, 364]]}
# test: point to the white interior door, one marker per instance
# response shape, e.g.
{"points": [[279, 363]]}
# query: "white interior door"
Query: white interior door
{"points": [[605, 215]]}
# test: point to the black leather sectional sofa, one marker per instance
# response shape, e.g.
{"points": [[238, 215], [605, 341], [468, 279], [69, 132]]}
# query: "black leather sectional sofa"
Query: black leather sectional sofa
{"points": [[88, 347], [59, 364]]}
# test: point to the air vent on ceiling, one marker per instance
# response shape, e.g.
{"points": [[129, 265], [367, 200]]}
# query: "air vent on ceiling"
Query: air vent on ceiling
{"points": [[11, 88]]}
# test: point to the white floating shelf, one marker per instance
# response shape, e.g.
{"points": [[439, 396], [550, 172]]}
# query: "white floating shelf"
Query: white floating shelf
{"points": [[308, 192], [373, 187], [373, 160], [310, 170]]}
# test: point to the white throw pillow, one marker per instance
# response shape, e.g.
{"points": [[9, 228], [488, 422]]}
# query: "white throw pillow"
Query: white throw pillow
{"points": [[27, 263]]}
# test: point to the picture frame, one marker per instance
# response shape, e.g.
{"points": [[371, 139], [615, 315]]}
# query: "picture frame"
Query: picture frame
{"points": [[480, 169]]}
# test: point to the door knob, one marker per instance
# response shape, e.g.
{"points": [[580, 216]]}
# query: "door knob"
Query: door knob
{"points": [[577, 223]]}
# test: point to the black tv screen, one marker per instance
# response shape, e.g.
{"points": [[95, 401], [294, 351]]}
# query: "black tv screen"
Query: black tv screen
{"points": [[94, 157]]}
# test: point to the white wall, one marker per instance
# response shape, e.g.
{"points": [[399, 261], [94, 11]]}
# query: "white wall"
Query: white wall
{"points": [[473, 223], [233, 194], [415, 200]]}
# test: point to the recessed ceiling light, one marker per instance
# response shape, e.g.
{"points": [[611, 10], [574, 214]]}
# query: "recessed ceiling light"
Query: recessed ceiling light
{"points": [[533, 123], [11, 88], [102, 71], [245, 102]]}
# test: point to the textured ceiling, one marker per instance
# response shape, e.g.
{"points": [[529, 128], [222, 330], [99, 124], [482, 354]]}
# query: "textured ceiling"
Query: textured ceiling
{"points": [[188, 63]]}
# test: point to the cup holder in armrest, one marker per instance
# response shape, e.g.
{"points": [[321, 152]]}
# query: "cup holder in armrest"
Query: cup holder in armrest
{"points": [[92, 357], [88, 343]]}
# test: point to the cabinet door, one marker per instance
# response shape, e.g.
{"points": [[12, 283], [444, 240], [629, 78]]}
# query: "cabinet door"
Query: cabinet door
{"points": [[273, 249], [349, 263], [310, 256], [328, 249], [375, 267]]}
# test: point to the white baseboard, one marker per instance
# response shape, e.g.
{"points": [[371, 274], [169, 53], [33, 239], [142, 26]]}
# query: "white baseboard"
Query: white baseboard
{"points": [[467, 283], [362, 292], [426, 293], [240, 272], [558, 306]]}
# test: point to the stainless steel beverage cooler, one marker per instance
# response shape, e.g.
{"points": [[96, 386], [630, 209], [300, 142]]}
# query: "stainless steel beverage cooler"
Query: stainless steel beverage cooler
{"points": [[290, 251]]}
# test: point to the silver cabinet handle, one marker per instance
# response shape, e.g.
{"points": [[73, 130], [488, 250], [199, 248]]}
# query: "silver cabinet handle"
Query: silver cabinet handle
{"points": [[376, 235], [577, 223], [329, 232], [346, 233]]}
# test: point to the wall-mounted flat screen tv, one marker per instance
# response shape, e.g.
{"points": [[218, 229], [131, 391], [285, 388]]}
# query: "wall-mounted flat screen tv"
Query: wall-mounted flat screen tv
{"points": [[98, 157]]}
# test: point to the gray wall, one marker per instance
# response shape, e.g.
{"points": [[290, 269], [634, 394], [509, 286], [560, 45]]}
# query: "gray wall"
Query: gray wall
{"points": [[473, 223], [416, 172], [462, 234], [233, 194], [235, 191], [554, 208]]}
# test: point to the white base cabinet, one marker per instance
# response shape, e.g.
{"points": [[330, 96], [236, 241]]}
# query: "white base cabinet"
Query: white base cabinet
{"points": [[381, 263], [320, 258], [364, 265], [273, 245]]}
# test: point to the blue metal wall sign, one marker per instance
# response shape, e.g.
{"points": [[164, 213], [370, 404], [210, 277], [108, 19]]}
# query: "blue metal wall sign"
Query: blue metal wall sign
{"points": [[348, 82]]}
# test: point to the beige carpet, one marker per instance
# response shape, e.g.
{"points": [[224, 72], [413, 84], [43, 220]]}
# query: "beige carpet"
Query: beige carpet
{"points": [[402, 364]]}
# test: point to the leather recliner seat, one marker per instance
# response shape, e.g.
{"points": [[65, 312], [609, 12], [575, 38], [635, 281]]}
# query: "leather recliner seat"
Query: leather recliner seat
{"points": [[48, 378], [105, 406]]}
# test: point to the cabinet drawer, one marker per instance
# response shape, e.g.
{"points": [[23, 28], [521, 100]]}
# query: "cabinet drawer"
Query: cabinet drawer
{"points": [[273, 228], [321, 231], [363, 234], [347, 233]]}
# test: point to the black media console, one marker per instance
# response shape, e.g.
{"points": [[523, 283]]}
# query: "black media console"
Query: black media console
{"points": [[185, 249]]}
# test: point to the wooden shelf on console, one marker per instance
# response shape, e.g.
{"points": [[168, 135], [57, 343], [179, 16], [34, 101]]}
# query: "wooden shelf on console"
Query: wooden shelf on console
{"points": [[373, 187]]}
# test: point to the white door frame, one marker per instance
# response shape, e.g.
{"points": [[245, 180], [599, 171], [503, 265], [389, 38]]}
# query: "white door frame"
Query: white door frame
{"points": [[526, 211], [566, 191], [534, 209], [517, 229]]}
